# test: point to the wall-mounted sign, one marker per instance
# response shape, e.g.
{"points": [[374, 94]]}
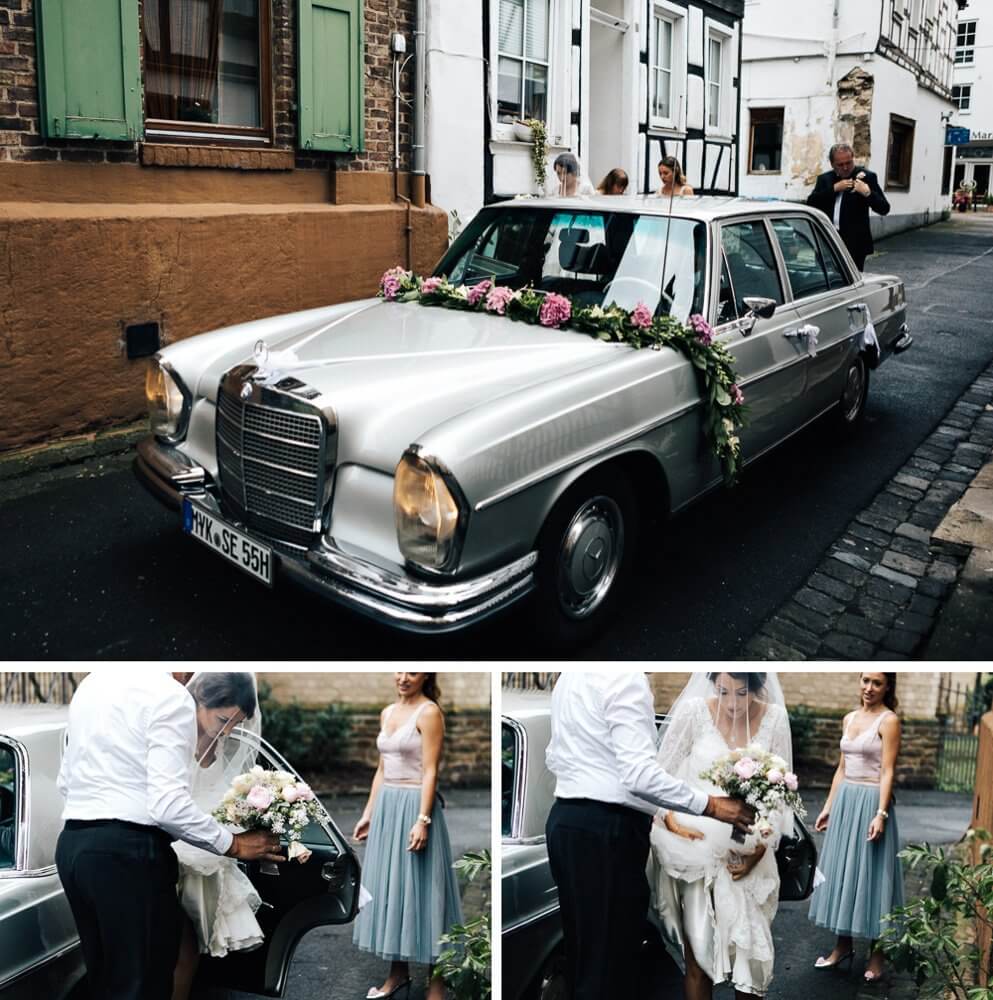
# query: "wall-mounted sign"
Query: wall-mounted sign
{"points": [[955, 136]]}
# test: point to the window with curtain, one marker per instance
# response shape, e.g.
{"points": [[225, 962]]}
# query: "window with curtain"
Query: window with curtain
{"points": [[206, 66], [900, 153], [766, 147], [715, 60], [663, 32], [522, 59], [965, 43]]}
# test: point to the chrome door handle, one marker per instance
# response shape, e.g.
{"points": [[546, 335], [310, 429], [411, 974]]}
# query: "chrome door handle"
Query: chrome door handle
{"points": [[807, 333]]}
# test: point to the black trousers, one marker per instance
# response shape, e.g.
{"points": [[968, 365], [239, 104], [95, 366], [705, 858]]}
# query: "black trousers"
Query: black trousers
{"points": [[597, 852], [120, 880]]}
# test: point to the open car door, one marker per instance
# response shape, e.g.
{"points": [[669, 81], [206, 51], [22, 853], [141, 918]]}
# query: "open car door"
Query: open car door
{"points": [[296, 898]]}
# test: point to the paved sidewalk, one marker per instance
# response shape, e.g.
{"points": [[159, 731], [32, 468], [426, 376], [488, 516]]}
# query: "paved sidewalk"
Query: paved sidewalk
{"points": [[920, 554]]}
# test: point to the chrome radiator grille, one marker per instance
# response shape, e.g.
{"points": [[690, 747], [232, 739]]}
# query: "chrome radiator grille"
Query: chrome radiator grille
{"points": [[270, 466]]}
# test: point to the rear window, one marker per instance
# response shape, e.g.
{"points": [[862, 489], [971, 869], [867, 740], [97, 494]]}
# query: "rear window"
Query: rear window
{"points": [[510, 762], [8, 808]]}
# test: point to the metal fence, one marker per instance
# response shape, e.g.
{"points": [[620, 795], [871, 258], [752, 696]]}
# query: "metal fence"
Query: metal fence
{"points": [[28, 688], [960, 707]]}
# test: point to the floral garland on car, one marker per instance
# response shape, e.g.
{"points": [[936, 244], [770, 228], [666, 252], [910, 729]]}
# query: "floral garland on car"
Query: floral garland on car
{"points": [[723, 400]]}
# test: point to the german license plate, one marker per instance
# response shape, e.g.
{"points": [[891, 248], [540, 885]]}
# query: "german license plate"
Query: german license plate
{"points": [[217, 534]]}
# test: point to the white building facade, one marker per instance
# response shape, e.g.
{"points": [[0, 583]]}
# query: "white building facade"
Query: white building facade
{"points": [[620, 83], [873, 73], [972, 94]]}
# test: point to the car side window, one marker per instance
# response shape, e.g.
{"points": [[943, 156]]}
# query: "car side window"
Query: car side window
{"points": [[751, 267], [832, 265], [8, 808], [802, 256], [509, 764]]}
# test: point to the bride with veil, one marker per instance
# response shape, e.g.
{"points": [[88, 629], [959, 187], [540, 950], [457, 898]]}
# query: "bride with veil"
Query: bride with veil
{"points": [[717, 896], [218, 899]]}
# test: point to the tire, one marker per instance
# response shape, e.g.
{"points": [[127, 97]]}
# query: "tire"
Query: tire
{"points": [[585, 553], [850, 411]]}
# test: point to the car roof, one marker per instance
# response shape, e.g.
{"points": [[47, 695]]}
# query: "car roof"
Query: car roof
{"points": [[24, 720], [704, 208], [524, 705]]}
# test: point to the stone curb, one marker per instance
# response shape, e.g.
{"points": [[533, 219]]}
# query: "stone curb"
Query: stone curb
{"points": [[878, 591], [29, 469]]}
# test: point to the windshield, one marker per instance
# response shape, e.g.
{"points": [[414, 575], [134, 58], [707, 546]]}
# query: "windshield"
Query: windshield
{"points": [[595, 258]]}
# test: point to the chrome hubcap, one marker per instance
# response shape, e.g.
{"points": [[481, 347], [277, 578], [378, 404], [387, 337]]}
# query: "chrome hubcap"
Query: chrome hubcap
{"points": [[590, 556], [851, 399]]}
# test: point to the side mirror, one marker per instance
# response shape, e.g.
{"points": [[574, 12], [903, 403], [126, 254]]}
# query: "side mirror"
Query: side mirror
{"points": [[758, 308], [761, 307]]}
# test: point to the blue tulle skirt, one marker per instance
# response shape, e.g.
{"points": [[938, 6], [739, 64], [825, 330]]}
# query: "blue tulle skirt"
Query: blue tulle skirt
{"points": [[415, 896], [864, 880]]}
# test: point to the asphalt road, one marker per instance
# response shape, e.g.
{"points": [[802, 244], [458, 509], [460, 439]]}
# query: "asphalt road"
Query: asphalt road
{"points": [[327, 966], [93, 568]]}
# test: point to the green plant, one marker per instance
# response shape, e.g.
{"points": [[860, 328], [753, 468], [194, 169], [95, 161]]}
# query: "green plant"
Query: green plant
{"points": [[801, 729], [927, 937], [466, 950], [539, 150], [312, 737]]}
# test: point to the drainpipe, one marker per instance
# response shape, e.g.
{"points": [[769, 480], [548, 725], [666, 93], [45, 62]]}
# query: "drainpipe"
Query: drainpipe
{"points": [[417, 178], [832, 46]]}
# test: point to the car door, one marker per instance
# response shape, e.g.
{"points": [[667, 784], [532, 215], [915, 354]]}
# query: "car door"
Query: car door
{"points": [[821, 288], [296, 898], [771, 368]]}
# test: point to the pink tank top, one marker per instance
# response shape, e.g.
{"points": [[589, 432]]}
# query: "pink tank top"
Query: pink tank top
{"points": [[864, 754], [401, 750]]}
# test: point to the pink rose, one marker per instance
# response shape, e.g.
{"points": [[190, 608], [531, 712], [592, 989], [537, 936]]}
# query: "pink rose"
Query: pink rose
{"points": [[497, 299], [289, 793], [641, 316], [703, 330], [555, 310], [479, 291], [259, 798], [389, 284], [304, 794], [775, 776], [791, 781], [737, 396], [746, 768], [430, 285]]}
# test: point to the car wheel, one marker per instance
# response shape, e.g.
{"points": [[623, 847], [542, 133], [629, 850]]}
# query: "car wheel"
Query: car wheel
{"points": [[585, 552], [851, 406], [551, 984]]}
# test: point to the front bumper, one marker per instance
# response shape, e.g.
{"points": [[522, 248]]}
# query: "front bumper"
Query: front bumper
{"points": [[385, 593]]}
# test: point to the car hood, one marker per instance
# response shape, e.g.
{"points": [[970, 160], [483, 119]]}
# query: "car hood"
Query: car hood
{"points": [[393, 371]]}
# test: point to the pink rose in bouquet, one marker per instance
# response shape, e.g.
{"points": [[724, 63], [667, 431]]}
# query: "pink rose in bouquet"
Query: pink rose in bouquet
{"points": [[479, 291], [259, 797], [555, 310], [430, 285], [745, 768], [703, 330], [641, 316], [497, 299]]}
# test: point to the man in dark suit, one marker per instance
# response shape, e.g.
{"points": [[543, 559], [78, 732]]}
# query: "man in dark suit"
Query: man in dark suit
{"points": [[845, 194]]}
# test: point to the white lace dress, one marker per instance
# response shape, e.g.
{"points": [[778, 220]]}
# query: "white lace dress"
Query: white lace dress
{"points": [[219, 899], [728, 923]]}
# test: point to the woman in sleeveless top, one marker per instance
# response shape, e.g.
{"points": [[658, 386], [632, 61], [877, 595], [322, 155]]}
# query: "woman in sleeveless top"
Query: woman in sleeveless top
{"points": [[407, 868], [863, 876]]}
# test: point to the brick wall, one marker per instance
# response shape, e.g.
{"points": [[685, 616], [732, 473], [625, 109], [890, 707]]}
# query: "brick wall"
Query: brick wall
{"points": [[20, 131], [466, 757], [374, 690]]}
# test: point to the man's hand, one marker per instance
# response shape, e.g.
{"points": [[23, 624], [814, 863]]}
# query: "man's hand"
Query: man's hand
{"points": [[846, 184], [728, 810], [860, 187], [258, 845]]}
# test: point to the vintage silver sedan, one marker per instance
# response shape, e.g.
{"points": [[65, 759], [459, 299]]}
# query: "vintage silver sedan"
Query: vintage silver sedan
{"points": [[40, 954], [429, 467]]}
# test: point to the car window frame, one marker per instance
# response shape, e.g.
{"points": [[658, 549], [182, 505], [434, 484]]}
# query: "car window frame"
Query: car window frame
{"points": [[716, 256], [22, 812], [520, 779], [832, 240]]}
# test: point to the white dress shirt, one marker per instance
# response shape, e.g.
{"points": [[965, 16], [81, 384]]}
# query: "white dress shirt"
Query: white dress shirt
{"points": [[603, 744], [837, 209], [131, 753]]}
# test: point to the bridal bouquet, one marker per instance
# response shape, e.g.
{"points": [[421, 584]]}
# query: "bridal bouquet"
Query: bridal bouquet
{"points": [[761, 779], [271, 800]]}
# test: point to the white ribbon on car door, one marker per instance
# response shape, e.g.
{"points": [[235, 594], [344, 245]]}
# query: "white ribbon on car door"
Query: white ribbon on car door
{"points": [[868, 341], [810, 333]]}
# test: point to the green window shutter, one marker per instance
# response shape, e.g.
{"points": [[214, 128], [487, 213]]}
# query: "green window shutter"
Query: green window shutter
{"points": [[331, 75], [89, 79]]}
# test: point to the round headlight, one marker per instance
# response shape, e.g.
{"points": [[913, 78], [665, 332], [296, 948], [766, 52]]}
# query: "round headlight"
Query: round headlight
{"points": [[426, 512], [165, 400]]}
